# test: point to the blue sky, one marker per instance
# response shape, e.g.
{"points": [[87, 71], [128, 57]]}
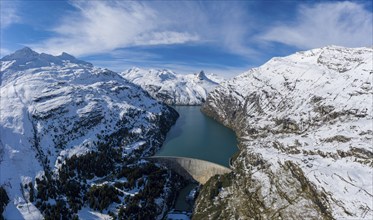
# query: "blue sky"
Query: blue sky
{"points": [[224, 37]]}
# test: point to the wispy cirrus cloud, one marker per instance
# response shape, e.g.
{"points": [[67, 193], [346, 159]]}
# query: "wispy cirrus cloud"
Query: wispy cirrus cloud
{"points": [[4, 51], [102, 26], [339, 23], [9, 13]]}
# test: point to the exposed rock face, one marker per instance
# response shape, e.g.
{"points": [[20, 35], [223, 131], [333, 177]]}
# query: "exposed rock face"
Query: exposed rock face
{"points": [[171, 88], [66, 125], [304, 124]]}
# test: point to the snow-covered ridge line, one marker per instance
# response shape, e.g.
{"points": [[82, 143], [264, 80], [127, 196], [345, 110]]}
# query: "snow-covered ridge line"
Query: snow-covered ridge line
{"points": [[305, 128], [27, 58], [171, 88], [68, 130]]}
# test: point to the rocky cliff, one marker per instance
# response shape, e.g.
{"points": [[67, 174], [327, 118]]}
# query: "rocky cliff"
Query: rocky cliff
{"points": [[304, 124]]}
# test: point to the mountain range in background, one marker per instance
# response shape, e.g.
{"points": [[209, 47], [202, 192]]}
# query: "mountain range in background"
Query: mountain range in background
{"points": [[174, 89]]}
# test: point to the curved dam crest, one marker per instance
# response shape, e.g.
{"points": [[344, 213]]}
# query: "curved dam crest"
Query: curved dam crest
{"points": [[190, 168]]}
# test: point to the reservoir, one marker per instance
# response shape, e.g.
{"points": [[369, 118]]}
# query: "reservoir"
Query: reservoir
{"points": [[198, 136]]}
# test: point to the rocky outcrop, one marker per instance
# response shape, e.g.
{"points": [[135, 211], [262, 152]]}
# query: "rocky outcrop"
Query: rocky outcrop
{"points": [[304, 124]]}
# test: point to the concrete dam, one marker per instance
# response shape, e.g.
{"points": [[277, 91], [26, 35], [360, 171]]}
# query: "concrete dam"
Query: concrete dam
{"points": [[190, 168]]}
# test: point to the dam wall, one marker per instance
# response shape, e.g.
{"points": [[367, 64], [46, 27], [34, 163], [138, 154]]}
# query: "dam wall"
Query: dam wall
{"points": [[190, 168]]}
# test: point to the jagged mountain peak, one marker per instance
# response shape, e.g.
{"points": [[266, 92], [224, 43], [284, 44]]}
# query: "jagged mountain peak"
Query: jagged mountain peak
{"points": [[160, 74], [165, 74], [26, 58], [26, 50], [66, 56], [23, 53], [201, 75]]}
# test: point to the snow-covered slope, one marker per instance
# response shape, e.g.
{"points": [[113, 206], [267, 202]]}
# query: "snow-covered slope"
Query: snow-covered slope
{"points": [[54, 108], [305, 131], [171, 88]]}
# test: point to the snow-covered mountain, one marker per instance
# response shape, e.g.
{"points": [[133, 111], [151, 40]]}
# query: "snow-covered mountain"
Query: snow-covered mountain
{"points": [[71, 136], [172, 88], [305, 130]]}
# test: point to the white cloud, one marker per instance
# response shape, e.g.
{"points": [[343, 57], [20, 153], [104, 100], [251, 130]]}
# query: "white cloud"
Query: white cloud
{"points": [[4, 52], [166, 37], [339, 23], [8, 13], [103, 26]]}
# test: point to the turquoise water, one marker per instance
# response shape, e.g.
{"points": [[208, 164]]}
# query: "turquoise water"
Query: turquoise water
{"points": [[198, 136]]}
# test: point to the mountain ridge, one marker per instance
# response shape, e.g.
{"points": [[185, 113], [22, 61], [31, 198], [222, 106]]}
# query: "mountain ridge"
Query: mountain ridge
{"points": [[72, 137], [26, 58], [304, 128], [172, 88]]}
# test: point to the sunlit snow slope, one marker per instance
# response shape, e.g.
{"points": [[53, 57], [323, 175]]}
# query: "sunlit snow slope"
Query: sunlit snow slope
{"points": [[305, 128], [172, 88], [53, 107]]}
